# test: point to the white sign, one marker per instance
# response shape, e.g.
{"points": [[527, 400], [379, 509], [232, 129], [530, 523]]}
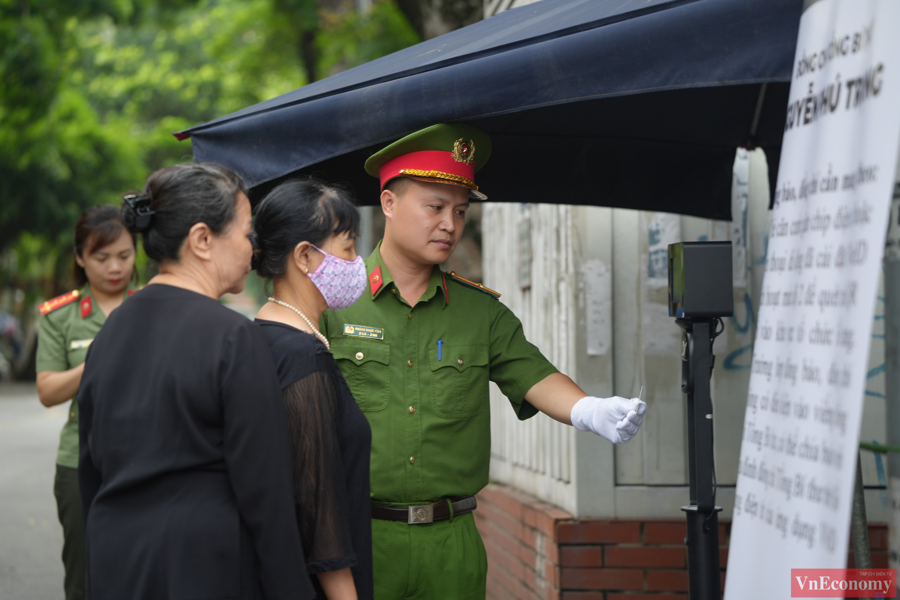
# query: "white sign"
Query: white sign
{"points": [[662, 230], [740, 196], [597, 278], [737, 229], [804, 407]]}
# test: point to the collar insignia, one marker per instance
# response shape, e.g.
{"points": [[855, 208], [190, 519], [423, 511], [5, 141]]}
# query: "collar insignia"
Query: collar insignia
{"points": [[375, 280]]}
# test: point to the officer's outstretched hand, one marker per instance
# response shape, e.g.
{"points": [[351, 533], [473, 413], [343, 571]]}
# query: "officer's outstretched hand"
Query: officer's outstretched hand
{"points": [[617, 419]]}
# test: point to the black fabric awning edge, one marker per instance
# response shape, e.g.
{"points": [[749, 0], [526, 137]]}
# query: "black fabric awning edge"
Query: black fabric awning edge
{"points": [[469, 118], [186, 133]]}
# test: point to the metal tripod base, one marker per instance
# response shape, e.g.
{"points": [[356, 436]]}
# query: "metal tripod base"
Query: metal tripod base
{"points": [[702, 543]]}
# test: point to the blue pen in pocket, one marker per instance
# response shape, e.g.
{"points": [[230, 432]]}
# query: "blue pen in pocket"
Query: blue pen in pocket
{"points": [[439, 348]]}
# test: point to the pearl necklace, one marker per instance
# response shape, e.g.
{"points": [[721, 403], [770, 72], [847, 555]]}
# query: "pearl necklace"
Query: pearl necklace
{"points": [[308, 322]]}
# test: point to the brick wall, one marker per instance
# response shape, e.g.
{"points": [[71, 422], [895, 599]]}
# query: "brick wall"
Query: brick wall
{"points": [[539, 552]]}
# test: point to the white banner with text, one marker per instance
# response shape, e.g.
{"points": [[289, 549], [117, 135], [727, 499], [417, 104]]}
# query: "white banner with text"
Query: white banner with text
{"points": [[835, 181]]}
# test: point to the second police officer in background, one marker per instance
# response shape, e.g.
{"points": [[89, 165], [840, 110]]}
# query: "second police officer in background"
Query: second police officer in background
{"points": [[419, 349], [104, 265]]}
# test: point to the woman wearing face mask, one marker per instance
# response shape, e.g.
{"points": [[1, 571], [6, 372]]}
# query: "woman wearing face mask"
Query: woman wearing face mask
{"points": [[104, 263], [185, 464], [306, 232]]}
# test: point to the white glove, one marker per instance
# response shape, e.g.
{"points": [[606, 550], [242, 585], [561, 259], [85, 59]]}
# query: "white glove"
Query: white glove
{"points": [[617, 419]]}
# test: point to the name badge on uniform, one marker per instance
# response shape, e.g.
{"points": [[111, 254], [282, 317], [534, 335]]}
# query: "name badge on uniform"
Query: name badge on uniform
{"points": [[80, 344], [364, 331]]}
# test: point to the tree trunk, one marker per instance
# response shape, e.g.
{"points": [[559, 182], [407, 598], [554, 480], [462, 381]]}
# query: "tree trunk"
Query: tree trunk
{"points": [[431, 18], [309, 55]]}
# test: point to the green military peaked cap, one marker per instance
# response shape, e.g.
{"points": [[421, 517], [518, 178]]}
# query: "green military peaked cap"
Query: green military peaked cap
{"points": [[448, 153]]}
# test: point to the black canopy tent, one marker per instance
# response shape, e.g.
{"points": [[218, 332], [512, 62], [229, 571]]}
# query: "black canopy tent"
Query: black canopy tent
{"points": [[625, 103]]}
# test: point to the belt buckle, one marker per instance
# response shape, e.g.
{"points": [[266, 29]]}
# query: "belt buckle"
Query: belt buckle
{"points": [[420, 515]]}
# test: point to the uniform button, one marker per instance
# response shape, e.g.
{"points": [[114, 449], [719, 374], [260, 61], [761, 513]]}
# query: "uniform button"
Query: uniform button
{"points": [[412, 410], [460, 361], [394, 290], [72, 415], [359, 356], [412, 460], [410, 316], [409, 362]]}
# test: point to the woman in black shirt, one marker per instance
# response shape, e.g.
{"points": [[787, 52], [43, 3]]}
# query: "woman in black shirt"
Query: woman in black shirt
{"points": [[306, 234], [185, 464]]}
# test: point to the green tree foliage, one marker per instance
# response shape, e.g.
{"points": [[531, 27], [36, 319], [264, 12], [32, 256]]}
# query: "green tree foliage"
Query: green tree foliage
{"points": [[92, 89], [348, 38]]}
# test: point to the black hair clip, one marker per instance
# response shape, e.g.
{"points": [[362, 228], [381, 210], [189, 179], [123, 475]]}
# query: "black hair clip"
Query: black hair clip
{"points": [[142, 213]]}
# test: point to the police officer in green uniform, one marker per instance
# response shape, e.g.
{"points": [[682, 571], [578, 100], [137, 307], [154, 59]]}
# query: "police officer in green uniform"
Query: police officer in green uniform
{"points": [[104, 262], [418, 351]]}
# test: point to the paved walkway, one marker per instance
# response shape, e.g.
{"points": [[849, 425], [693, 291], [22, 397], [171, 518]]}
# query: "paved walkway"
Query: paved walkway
{"points": [[30, 534]]}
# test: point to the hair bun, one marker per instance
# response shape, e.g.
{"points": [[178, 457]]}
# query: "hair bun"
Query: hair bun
{"points": [[136, 213]]}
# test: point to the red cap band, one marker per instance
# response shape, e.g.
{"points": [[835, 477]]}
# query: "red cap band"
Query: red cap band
{"points": [[433, 164]]}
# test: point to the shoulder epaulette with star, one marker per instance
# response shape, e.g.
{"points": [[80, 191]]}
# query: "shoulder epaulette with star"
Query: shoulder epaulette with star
{"points": [[50, 305], [472, 284]]}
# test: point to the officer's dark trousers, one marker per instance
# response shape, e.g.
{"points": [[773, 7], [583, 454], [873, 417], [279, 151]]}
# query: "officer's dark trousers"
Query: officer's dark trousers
{"points": [[68, 504]]}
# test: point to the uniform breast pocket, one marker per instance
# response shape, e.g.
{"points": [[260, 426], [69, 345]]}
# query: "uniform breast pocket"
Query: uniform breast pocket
{"points": [[366, 367], [459, 380], [76, 352]]}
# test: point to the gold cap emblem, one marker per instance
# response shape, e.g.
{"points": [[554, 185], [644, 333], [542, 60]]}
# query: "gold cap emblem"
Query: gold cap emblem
{"points": [[464, 151]]}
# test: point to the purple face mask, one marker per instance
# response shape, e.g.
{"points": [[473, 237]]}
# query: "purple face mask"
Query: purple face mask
{"points": [[340, 281]]}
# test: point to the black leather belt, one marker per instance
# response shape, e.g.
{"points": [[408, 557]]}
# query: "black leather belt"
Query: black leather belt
{"points": [[424, 513]]}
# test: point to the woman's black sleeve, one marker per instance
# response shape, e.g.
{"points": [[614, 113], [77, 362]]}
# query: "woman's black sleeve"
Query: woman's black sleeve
{"points": [[312, 405]]}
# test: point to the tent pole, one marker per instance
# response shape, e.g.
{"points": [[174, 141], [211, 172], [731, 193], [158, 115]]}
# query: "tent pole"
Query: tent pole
{"points": [[892, 357], [702, 514], [859, 525], [759, 105]]}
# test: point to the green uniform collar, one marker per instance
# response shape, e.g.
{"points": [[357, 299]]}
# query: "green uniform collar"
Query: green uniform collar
{"points": [[86, 302], [380, 279]]}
